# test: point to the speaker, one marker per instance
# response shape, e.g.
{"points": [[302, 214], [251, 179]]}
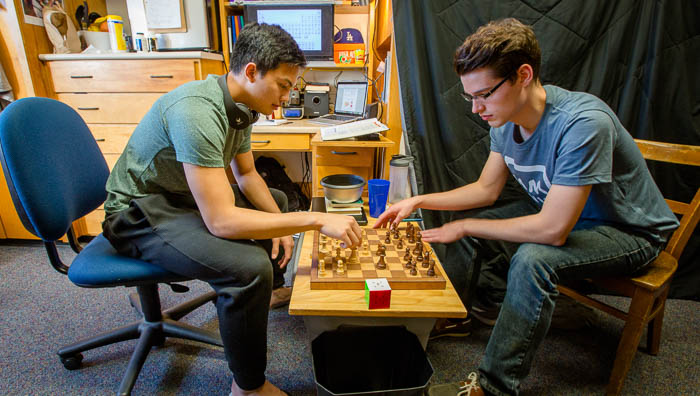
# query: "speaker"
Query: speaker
{"points": [[315, 104]]}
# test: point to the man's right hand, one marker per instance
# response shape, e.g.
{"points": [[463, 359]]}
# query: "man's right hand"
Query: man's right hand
{"points": [[396, 212], [341, 227]]}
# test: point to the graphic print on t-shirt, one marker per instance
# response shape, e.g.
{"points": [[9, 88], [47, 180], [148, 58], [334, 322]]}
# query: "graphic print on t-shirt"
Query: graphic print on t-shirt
{"points": [[533, 178]]}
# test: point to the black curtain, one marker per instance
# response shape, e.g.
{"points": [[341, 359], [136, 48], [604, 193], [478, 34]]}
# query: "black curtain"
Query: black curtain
{"points": [[642, 57]]}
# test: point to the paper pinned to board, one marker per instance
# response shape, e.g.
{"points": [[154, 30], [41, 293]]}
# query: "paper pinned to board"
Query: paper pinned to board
{"points": [[164, 14]]}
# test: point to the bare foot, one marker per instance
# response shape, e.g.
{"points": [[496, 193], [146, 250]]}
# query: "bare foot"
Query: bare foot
{"points": [[267, 389]]}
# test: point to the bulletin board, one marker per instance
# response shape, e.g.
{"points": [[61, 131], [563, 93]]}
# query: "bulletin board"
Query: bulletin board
{"points": [[165, 16]]}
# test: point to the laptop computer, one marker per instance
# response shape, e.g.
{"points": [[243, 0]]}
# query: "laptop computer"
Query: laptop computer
{"points": [[350, 100]]}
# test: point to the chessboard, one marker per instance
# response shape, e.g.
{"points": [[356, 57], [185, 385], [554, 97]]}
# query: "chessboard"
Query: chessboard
{"points": [[383, 254]]}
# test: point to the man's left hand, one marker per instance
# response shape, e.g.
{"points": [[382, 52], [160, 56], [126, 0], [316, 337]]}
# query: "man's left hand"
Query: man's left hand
{"points": [[288, 245], [449, 232]]}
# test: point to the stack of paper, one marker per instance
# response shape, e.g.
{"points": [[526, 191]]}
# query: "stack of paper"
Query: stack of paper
{"points": [[352, 129]]}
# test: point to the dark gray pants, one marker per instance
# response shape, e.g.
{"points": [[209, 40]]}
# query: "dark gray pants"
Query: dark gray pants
{"points": [[163, 231]]}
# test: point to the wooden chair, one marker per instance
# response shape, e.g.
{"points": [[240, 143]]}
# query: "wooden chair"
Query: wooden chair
{"points": [[648, 289]]}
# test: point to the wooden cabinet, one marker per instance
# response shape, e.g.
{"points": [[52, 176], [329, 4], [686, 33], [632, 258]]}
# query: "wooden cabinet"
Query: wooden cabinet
{"points": [[112, 95], [362, 158]]}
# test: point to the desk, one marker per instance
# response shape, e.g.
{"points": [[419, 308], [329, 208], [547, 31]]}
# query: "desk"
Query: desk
{"points": [[326, 309], [327, 158]]}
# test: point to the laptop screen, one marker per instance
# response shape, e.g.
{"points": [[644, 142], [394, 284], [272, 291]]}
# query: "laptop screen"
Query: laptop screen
{"points": [[350, 98]]}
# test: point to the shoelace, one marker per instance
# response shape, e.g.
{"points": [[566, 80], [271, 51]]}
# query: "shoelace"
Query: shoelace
{"points": [[473, 384]]}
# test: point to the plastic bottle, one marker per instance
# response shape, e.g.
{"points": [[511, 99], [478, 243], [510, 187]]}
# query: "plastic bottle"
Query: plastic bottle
{"points": [[140, 44], [115, 25], [398, 176]]}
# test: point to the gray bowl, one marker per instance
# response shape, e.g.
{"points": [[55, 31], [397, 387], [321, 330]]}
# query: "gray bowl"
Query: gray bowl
{"points": [[343, 188]]}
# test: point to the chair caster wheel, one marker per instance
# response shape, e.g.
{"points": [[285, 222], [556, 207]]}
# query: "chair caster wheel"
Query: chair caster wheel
{"points": [[72, 362]]}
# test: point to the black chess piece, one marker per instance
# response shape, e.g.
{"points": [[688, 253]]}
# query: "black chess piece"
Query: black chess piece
{"points": [[407, 256], [400, 244], [387, 240], [381, 264], [426, 259], [414, 271], [431, 270], [418, 249]]}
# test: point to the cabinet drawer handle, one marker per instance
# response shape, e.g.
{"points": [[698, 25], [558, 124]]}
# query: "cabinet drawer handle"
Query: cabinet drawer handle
{"points": [[344, 152], [162, 76], [88, 108], [261, 141], [80, 76], [100, 140]]}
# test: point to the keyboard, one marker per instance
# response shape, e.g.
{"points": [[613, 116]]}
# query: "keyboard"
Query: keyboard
{"points": [[339, 117]]}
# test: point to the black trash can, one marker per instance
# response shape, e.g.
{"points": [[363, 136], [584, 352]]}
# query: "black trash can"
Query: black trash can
{"points": [[371, 360]]}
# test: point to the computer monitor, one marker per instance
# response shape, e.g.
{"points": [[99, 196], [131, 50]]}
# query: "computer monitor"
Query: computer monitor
{"points": [[311, 25]]}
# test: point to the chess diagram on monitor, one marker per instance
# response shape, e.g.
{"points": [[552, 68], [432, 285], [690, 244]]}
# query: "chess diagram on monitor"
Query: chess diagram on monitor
{"points": [[397, 254]]}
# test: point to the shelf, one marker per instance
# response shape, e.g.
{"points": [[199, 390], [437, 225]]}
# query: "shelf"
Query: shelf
{"points": [[330, 65]]}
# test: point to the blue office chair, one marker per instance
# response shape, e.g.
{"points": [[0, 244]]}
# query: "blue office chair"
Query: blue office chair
{"points": [[56, 174]]}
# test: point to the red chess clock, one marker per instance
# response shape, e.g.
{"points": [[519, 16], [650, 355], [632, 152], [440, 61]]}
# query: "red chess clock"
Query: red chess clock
{"points": [[377, 293]]}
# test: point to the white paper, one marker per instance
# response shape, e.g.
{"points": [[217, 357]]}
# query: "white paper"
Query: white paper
{"points": [[163, 14]]}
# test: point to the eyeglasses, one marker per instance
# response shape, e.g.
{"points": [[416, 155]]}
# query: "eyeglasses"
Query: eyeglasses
{"points": [[484, 96]]}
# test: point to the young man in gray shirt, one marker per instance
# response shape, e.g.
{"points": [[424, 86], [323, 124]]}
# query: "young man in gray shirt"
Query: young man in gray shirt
{"points": [[170, 202], [594, 209]]}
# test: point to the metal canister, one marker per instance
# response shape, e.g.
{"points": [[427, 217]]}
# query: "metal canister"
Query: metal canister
{"points": [[152, 44]]}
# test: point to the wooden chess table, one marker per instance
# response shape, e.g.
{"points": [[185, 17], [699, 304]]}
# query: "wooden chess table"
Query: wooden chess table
{"points": [[325, 309]]}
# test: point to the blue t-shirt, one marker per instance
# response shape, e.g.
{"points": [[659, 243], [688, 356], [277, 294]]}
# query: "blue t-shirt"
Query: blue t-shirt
{"points": [[579, 141]]}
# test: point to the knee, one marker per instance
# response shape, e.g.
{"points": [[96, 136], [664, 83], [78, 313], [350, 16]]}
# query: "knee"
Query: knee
{"points": [[529, 265], [280, 199]]}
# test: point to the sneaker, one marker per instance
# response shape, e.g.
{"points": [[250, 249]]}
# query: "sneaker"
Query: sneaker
{"points": [[485, 314], [470, 387], [451, 328], [280, 297]]}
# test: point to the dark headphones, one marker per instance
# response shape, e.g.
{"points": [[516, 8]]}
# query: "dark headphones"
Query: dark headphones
{"points": [[239, 115]]}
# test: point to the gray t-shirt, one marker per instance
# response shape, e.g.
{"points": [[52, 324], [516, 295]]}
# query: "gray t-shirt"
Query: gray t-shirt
{"points": [[188, 124], [580, 141]]}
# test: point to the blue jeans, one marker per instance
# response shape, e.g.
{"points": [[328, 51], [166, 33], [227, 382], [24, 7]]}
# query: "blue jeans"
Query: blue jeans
{"points": [[591, 250]]}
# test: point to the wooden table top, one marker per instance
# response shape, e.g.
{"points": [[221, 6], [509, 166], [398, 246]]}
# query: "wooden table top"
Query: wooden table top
{"points": [[404, 303]]}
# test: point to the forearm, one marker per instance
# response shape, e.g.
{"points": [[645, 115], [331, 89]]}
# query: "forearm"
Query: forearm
{"points": [[466, 197], [256, 191], [533, 228], [241, 223]]}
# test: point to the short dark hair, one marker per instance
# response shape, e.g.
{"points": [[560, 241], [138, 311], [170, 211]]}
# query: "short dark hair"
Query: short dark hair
{"points": [[268, 46], [502, 46]]}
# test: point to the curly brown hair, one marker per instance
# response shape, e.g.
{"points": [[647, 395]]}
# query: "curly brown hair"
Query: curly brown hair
{"points": [[503, 45]]}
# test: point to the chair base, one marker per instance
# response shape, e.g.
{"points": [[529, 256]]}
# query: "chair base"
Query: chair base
{"points": [[151, 331]]}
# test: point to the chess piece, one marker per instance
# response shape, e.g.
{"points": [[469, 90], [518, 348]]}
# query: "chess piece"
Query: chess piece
{"points": [[381, 250], [414, 271], [400, 244], [381, 264], [409, 263], [431, 270], [340, 267], [365, 250], [419, 238], [426, 259], [407, 256], [321, 268], [411, 238], [418, 249], [337, 253], [353, 256]]}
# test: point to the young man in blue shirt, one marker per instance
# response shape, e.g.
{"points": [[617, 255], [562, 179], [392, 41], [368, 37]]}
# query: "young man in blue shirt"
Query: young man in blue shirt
{"points": [[593, 208]]}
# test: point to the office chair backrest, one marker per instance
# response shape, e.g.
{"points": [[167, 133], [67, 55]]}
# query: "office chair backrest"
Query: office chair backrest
{"points": [[53, 166]]}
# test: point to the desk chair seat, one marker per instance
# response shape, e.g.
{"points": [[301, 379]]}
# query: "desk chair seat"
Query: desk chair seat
{"points": [[56, 174]]}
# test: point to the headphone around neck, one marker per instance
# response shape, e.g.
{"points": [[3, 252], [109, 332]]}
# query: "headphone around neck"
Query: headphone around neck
{"points": [[239, 115]]}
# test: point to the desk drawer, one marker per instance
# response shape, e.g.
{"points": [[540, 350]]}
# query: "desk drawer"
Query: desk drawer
{"points": [[112, 138], [154, 75], [110, 108], [345, 156], [279, 141]]}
